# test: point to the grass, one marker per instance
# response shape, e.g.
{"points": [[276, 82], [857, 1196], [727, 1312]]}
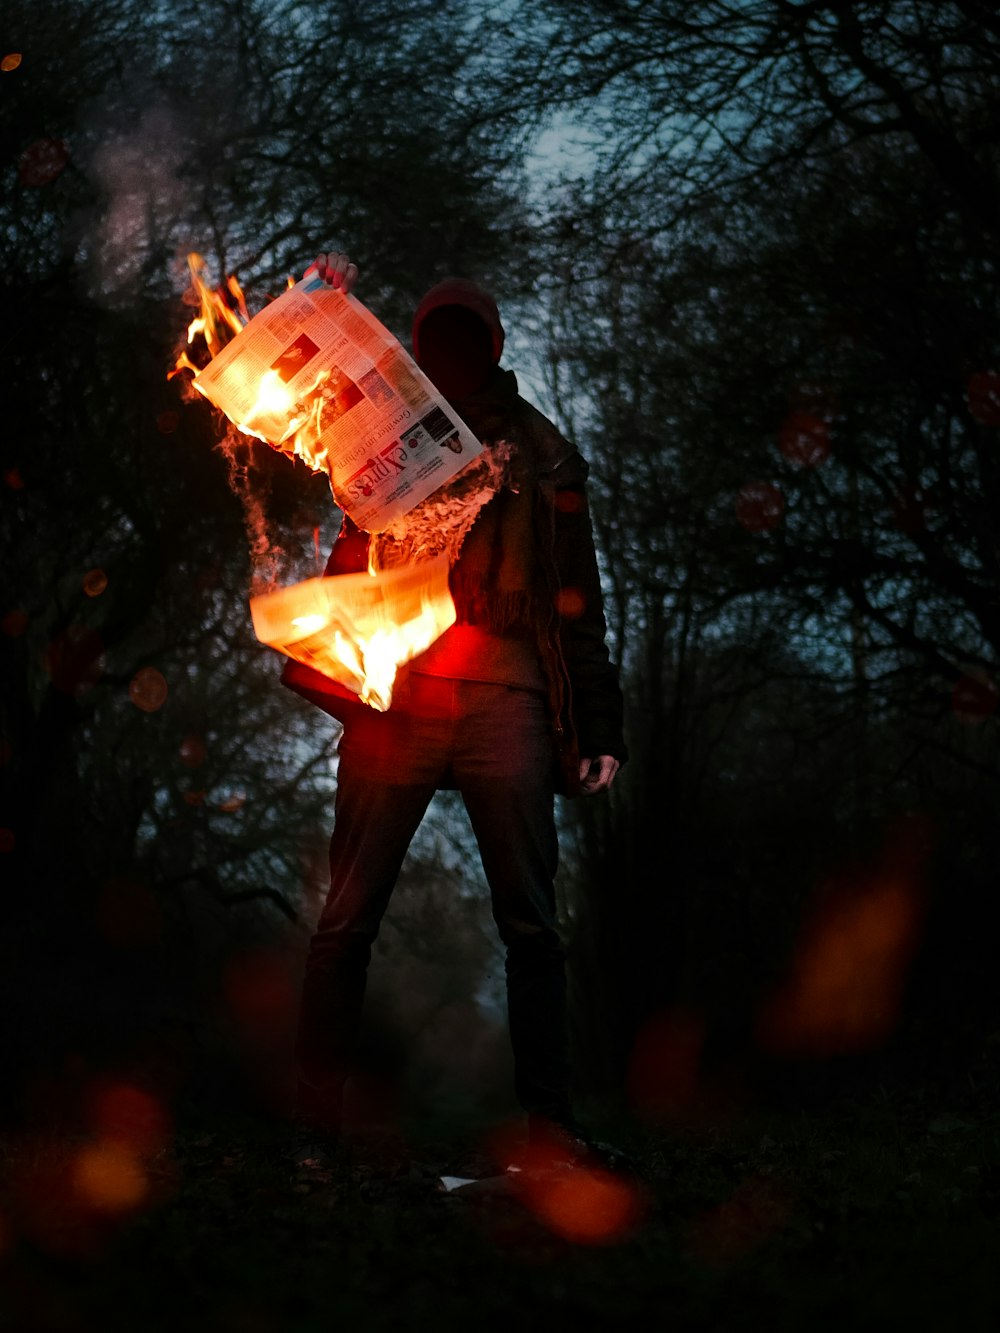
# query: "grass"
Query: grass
{"points": [[870, 1214]]}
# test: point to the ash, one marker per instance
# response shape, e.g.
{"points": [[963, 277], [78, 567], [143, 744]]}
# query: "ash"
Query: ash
{"points": [[440, 523]]}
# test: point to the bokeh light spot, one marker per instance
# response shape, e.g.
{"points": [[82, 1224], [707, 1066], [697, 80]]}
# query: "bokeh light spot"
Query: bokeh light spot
{"points": [[123, 1114], [583, 1204], [7, 840], [590, 1207], [10, 61], [845, 989], [42, 161], [148, 689], [75, 660], [14, 623], [192, 750], [570, 603], [759, 506], [109, 1176], [804, 439], [974, 698], [983, 396], [94, 582]]}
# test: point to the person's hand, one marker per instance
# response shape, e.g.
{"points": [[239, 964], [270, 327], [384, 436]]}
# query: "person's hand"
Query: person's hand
{"points": [[335, 270], [597, 775]]}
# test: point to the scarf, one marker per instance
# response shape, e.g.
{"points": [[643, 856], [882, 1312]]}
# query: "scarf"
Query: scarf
{"points": [[493, 579]]}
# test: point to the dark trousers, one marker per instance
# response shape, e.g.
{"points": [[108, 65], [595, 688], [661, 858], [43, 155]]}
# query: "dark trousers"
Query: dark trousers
{"points": [[493, 744]]}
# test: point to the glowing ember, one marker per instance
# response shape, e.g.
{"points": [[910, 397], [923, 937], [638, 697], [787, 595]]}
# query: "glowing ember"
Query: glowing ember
{"points": [[10, 61]]}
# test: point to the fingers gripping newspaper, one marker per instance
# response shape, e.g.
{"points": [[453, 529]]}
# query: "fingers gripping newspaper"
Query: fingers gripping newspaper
{"points": [[317, 376]]}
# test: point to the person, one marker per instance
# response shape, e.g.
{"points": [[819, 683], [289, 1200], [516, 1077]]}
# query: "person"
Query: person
{"points": [[518, 701]]}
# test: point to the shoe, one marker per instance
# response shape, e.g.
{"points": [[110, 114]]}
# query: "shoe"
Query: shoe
{"points": [[562, 1143]]}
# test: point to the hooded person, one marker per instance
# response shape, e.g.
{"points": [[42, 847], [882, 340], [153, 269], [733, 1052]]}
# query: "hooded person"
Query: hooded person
{"points": [[526, 587], [517, 701]]}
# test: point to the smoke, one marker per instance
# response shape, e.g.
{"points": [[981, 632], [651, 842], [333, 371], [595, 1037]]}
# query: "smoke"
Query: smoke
{"points": [[267, 558], [137, 168]]}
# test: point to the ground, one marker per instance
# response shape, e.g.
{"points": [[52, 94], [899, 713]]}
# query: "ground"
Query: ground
{"points": [[869, 1214]]}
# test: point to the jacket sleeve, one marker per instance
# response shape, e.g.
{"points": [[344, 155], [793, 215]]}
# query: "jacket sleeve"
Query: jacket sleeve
{"points": [[596, 697]]}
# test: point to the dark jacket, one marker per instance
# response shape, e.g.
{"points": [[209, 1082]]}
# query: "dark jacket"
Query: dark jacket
{"points": [[567, 616], [585, 701]]}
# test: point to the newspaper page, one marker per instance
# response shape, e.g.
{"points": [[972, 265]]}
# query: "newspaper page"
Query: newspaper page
{"points": [[358, 628], [316, 375]]}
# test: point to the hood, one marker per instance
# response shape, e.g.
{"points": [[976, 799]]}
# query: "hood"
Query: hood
{"points": [[464, 293]]}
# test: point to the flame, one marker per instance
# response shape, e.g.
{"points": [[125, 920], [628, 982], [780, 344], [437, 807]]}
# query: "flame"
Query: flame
{"points": [[376, 659], [222, 313], [358, 629], [290, 425], [397, 613]]}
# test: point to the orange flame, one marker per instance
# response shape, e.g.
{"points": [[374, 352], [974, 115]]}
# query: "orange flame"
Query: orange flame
{"points": [[276, 417], [216, 312], [359, 628]]}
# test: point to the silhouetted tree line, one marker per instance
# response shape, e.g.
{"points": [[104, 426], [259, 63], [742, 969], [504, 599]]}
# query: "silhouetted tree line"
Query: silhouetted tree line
{"points": [[780, 345], [761, 294]]}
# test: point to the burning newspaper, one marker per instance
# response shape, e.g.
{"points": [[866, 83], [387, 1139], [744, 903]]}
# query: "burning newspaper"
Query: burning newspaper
{"points": [[358, 628], [316, 375]]}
